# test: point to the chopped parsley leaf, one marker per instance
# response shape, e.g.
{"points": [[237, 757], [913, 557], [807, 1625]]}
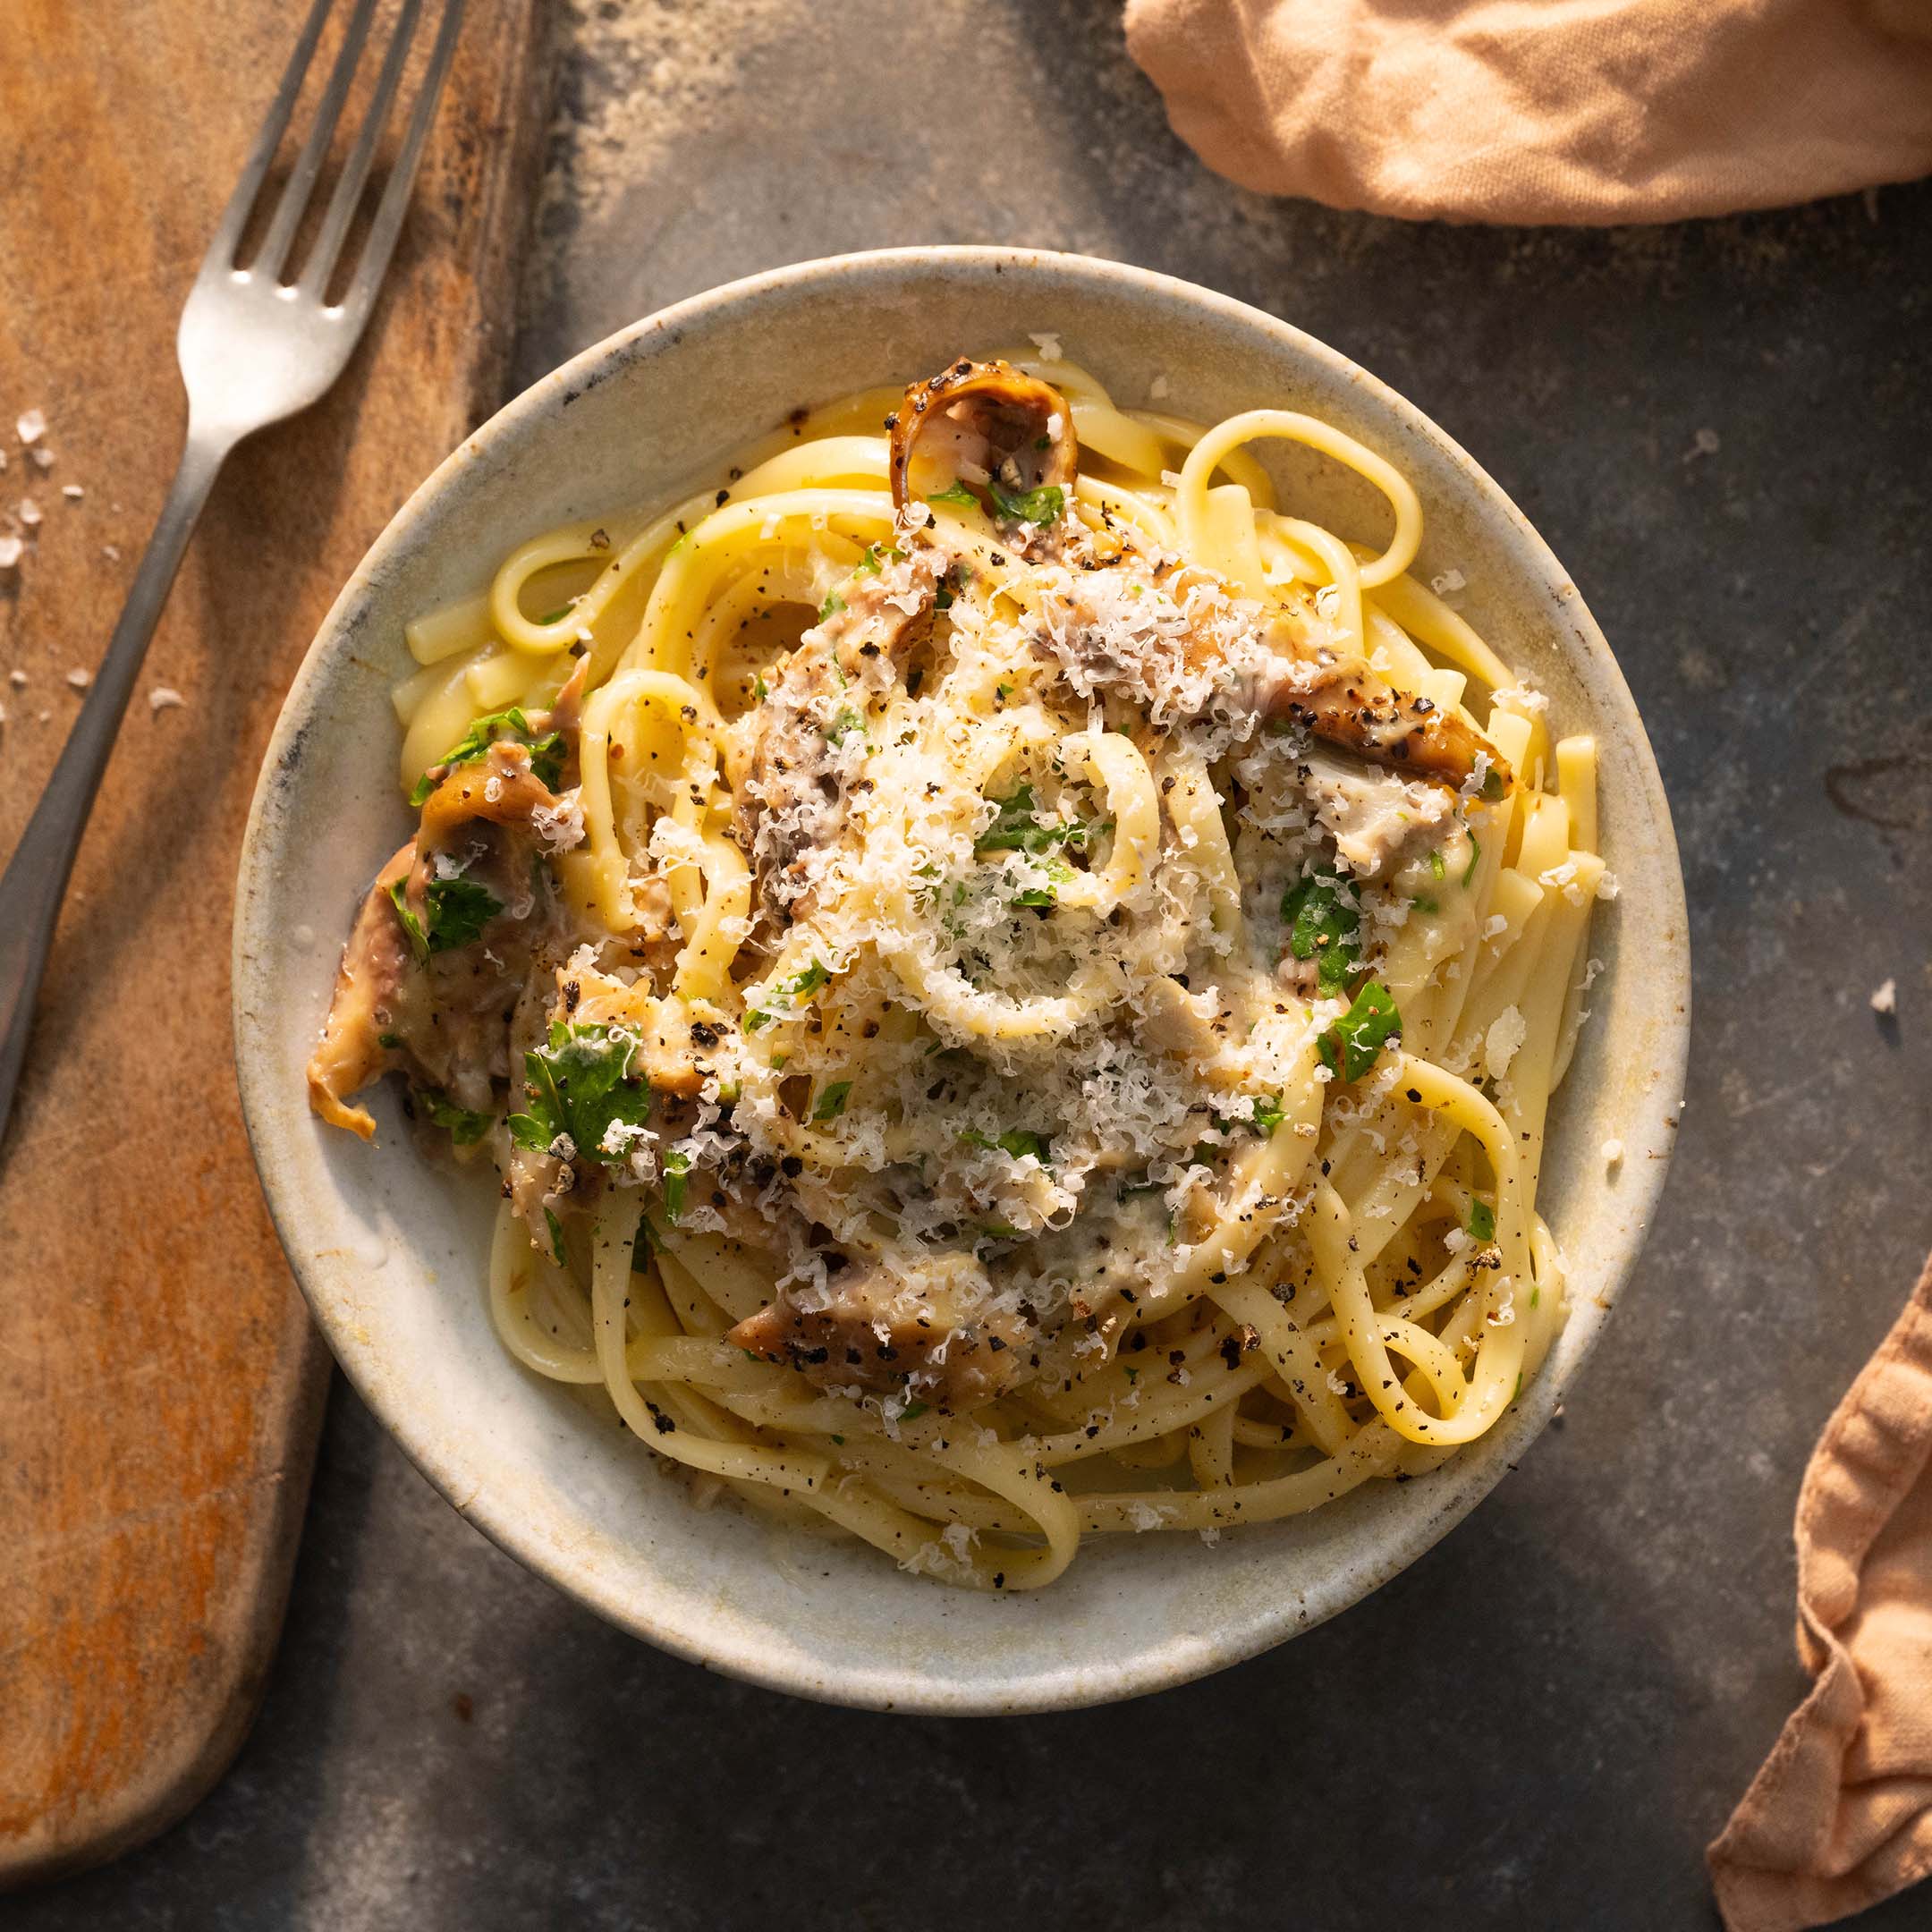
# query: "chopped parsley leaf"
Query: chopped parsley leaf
{"points": [[1424, 905], [676, 1167], [844, 725], [832, 1100], [579, 1082], [1018, 827], [557, 616], [831, 608], [641, 1246], [1041, 505], [465, 1128], [455, 911], [557, 1236], [912, 1410], [1482, 1220], [1324, 920], [1018, 1141], [957, 493], [808, 979], [1351, 1045], [546, 751], [1269, 1112], [1436, 864]]}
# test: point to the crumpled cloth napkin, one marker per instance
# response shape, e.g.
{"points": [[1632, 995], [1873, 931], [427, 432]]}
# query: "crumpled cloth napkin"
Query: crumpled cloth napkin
{"points": [[1547, 110], [1841, 1815]]}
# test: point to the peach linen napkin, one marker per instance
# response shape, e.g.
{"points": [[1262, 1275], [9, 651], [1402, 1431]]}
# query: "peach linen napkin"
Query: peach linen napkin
{"points": [[1841, 1815], [1547, 110]]}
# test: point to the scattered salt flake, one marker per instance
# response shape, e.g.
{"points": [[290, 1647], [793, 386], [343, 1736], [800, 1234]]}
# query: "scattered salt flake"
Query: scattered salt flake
{"points": [[1607, 886], [1448, 583], [31, 425], [29, 512], [9, 556], [1158, 388], [1210, 1536], [1885, 999], [112, 552], [1613, 1153], [16, 678], [43, 457], [1047, 343], [79, 679], [165, 698], [1705, 443], [73, 492], [1505, 1035]]}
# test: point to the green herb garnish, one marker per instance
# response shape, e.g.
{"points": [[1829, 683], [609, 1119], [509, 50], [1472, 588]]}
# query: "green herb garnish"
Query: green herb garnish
{"points": [[1324, 921], [956, 492], [912, 1410], [1351, 1046], [807, 980], [1475, 859], [1018, 1141], [465, 1128], [557, 1236], [831, 608], [455, 911], [641, 1246], [1018, 827], [1041, 505], [844, 725], [676, 1167], [832, 1101], [1482, 1220], [1436, 864], [546, 751], [580, 1083], [1269, 1112]]}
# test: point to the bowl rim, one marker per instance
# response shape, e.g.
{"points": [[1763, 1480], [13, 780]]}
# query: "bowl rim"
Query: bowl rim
{"points": [[503, 1520]]}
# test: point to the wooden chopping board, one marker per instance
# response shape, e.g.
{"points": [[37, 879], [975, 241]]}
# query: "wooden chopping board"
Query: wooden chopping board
{"points": [[160, 1387]]}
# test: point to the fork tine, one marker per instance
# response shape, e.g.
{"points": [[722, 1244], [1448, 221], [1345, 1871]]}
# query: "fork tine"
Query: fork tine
{"points": [[395, 204], [341, 208], [234, 216], [288, 214]]}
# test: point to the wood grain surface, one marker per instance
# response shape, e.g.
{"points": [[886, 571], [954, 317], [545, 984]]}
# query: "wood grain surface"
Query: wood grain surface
{"points": [[160, 1385]]}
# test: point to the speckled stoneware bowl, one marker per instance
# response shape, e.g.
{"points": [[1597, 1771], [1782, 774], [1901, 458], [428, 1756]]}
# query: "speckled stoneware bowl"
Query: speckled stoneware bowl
{"points": [[390, 1252]]}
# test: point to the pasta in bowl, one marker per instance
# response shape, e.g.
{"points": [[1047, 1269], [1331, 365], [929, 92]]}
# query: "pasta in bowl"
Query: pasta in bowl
{"points": [[1007, 971]]}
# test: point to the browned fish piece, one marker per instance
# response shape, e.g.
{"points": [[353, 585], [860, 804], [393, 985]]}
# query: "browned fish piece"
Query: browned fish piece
{"points": [[1006, 415], [369, 987], [1342, 701], [882, 1335]]}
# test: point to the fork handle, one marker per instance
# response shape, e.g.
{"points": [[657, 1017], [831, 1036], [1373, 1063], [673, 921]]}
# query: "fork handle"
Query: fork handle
{"points": [[36, 877]]}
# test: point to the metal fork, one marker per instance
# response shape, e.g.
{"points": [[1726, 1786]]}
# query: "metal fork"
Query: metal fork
{"points": [[253, 350]]}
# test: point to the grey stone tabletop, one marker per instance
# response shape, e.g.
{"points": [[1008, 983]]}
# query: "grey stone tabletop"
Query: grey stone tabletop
{"points": [[1722, 430]]}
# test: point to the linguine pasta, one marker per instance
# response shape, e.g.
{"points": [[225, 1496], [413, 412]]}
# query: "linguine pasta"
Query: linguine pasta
{"points": [[1010, 981]]}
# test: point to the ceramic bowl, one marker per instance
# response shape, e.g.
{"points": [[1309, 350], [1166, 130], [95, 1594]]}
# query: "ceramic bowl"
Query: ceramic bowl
{"points": [[390, 1252]]}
